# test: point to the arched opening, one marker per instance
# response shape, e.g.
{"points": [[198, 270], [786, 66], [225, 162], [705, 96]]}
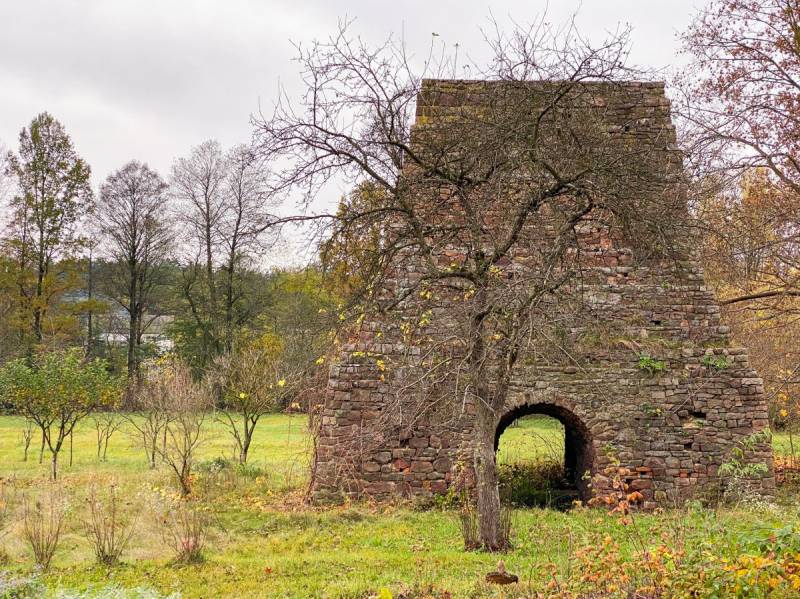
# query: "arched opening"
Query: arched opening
{"points": [[544, 453]]}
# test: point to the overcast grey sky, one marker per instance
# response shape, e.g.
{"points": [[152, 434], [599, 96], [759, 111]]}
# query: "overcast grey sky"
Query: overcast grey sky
{"points": [[148, 79]]}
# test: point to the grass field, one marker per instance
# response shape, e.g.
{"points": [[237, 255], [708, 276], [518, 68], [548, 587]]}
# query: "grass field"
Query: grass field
{"points": [[265, 542]]}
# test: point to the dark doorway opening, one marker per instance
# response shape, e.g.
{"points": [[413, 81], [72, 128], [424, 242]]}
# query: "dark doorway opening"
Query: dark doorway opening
{"points": [[544, 457]]}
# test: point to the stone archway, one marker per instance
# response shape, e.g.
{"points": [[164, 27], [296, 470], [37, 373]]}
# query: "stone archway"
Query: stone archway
{"points": [[578, 451]]}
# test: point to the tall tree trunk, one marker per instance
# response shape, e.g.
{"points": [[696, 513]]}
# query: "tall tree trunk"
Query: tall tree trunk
{"points": [[41, 271], [212, 290], [484, 457], [133, 315], [90, 314], [37, 307], [229, 305], [486, 480]]}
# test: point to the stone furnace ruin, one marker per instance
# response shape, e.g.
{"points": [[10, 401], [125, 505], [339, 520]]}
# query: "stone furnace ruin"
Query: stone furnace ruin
{"points": [[651, 382]]}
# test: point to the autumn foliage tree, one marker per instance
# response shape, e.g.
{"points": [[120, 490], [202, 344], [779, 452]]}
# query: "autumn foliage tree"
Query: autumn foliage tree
{"points": [[748, 255], [56, 391], [740, 106], [52, 195]]}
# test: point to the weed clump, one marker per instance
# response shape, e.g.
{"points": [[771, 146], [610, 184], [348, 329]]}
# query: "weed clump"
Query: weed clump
{"points": [[108, 528], [184, 526], [651, 365], [43, 525], [541, 483]]}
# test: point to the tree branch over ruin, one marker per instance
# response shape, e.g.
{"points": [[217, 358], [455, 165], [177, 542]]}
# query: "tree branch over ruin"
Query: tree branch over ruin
{"points": [[467, 203]]}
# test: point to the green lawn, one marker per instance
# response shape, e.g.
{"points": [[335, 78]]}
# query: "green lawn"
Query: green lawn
{"points": [[530, 438], [267, 543], [281, 446]]}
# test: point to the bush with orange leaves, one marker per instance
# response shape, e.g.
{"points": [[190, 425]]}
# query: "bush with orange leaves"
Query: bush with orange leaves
{"points": [[676, 563], [620, 498]]}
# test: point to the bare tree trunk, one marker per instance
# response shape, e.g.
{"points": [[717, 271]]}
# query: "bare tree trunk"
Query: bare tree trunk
{"points": [[484, 457], [133, 315], [27, 436], [212, 288], [229, 307], [41, 449], [54, 466], [37, 311], [486, 481], [245, 447], [152, 455]]}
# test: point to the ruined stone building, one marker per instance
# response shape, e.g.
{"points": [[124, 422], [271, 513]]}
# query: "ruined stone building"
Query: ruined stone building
{"points": [[651, 381]]}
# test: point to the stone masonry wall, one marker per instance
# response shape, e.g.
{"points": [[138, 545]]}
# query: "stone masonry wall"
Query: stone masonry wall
{"points": [[671, 429]]}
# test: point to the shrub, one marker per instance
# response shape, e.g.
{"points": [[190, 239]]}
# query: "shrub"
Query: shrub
{"points": [[43, 524], [541, 483], [107, 528], [184, 527], [215, 465], [741, 476], [468, 520], [7, 496], [187, 402]]}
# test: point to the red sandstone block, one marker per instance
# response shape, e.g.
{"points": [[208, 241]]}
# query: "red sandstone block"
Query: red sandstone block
{"points": [[421, 467], [401, 464]]}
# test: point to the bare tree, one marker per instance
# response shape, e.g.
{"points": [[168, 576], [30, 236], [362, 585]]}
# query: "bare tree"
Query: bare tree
{"points": [[225, 201], [149, 414], [137, 237], [255, 380], [188, 403], [106, 423], [242, 227], [198, 184], [492, 171]]}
